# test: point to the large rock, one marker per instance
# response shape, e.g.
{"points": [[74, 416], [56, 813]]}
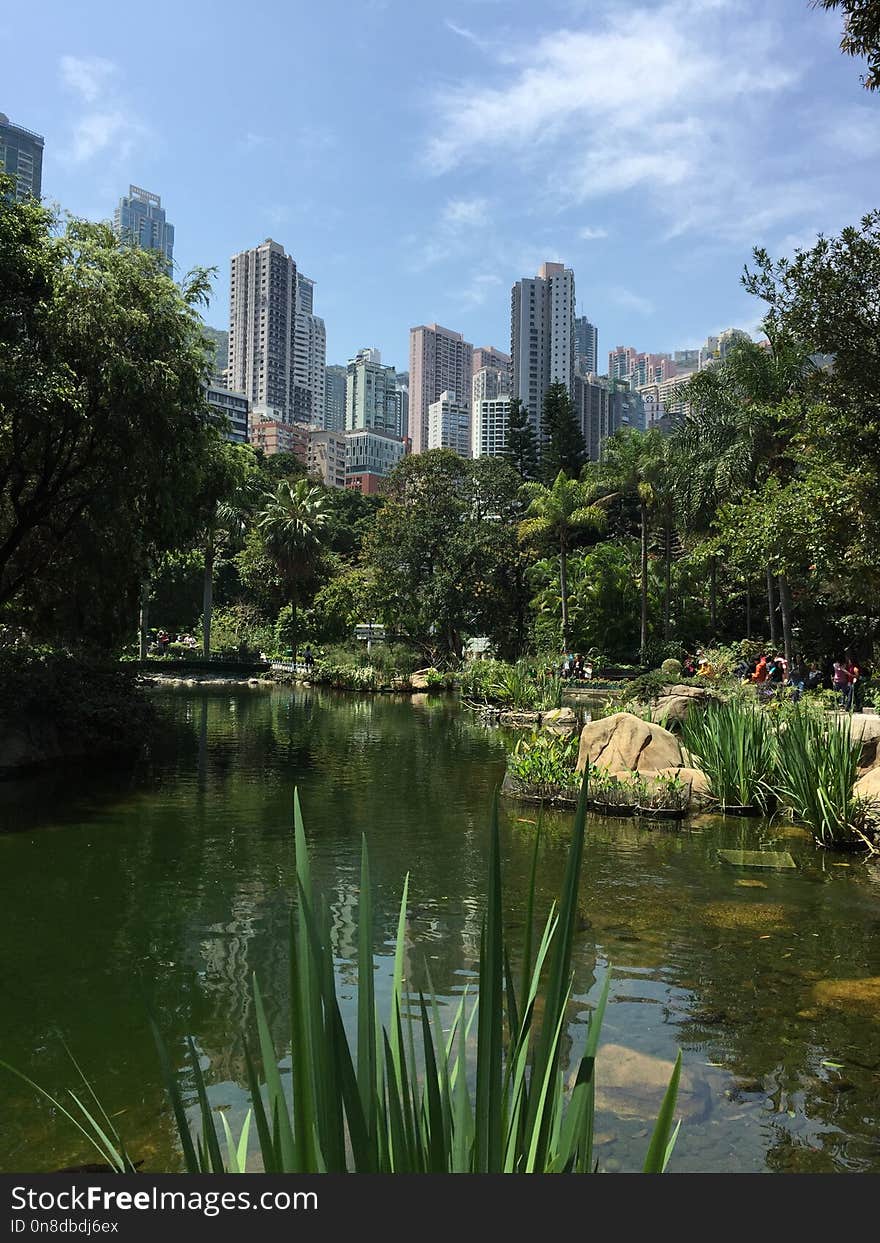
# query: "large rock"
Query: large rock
{"points": [[868, 786], [560, 720], [632, 1085], [675, 702], [624, 741], [866, 730]]}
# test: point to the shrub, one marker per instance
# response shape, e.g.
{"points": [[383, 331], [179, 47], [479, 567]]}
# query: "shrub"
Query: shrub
{"points": [[671, 670], [544, 764]]}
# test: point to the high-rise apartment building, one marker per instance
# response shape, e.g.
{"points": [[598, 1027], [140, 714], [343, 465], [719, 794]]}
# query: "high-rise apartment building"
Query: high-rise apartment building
{"points": [[371, 394], [621, 361], [542, 337], [449, 424], [262, 329], [586, 345], [21, 157], [232, 411], [440, 361], [139, 220], [490, 423], [489, 382], [488, 357], [401, 389], [370, 456], [334, 398], [309, 356], [326, 457]]}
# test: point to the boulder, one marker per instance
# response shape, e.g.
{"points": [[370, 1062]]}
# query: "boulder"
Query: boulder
{"points": [[560, 720], [631, 1084], [868, 786], [418, 681], [520, 720], [675, 702], [866, 730], [701, 795], [624, 741]]}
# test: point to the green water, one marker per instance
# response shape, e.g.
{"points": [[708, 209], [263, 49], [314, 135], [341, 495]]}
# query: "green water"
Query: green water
{"points": [[171, 880]]}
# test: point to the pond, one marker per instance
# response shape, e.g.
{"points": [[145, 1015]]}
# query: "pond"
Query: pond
{"points": [[168, 884]]}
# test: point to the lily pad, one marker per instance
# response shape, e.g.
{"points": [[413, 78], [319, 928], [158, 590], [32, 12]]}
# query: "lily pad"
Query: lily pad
{"points": [[773, 859]]}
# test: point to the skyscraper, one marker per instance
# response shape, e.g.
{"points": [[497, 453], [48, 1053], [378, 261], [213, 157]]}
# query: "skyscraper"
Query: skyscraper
{"points": [[140, 221], [309, 356], [586, 345], [21, 156], [334, 398], [489, 383], [440, 361], [449, 424], [370, 394], [262, 329], [490, 423], [487, 357], [402, 394], [542, 337]]}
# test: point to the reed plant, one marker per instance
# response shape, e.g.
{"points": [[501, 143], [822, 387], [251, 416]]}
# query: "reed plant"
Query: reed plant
{"points": [[816, 771], [543, 765], [413, 1098], [734, 745]]}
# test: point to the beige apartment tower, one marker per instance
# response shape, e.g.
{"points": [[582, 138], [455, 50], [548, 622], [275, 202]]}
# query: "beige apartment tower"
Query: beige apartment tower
{"points": [[440, 361]]}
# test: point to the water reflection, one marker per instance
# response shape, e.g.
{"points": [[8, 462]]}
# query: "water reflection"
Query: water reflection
{"points": [[172, 880]]}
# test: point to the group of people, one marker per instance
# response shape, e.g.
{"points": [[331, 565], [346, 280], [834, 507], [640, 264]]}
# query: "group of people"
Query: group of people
{"points": [[575, 666], [164, 640]]}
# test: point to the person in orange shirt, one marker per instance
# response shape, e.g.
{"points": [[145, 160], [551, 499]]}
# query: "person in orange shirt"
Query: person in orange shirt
{"points": [[761, 671]]}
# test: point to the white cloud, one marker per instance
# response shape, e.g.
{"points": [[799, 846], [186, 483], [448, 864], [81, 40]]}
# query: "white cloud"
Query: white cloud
{"points": [[631, 301], [107, 125], [465, 213], [590, 234], [464, 33], [480, 288], [89, 76], [667, 101]]}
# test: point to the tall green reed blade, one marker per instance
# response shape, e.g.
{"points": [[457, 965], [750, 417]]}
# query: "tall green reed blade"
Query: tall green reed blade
{"points": [[490, 1034], [305, 996], [434, 1121], [268, 1152], [284, 1141], [558, 984], [366, 1046], [173, 1089], [663, 1138], [209, 1131]]}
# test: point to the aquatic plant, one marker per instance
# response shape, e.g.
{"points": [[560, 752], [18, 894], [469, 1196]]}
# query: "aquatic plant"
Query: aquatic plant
{"points": [[609, 792], [413, 1099], [544, 765], [523, 686], [733, 744], [664, 794], [816, 770]]}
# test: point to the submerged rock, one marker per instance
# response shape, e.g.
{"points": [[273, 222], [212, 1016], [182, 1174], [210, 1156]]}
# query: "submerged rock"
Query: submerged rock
{"points": [[631, 1084], [859, 996]]}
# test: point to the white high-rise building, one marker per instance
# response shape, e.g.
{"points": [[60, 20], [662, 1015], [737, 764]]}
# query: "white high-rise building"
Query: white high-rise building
{"points": [[309, 356], [490, 422], [542, 339], [262, 328], [449, 424], [371, 394], [489, 382]]}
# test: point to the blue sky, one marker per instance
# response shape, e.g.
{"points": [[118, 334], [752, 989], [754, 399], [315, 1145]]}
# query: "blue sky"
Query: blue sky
{"points": [[418, 158]]}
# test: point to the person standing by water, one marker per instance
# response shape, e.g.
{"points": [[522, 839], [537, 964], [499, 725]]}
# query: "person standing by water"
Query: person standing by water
{"points": [[840, 682]]}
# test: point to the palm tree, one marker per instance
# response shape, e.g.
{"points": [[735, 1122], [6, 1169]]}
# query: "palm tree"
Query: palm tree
{"points": [[292, 523], [558, 514], [634, 462]]}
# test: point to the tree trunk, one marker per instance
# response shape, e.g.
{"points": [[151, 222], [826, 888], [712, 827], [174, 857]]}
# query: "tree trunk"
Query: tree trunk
{"points": [[143, 620], [785, 609], [643, 635], [563, 592], [208, 596], [771, 608], [668, 588], [713, 596]]}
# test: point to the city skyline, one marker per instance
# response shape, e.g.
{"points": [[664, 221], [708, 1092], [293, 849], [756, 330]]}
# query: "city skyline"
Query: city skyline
{"points": [[674, 136]]}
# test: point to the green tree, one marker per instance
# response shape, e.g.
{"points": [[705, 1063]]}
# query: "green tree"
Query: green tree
{"points": [[633, 462], [563, 448], [558, 515], [232, 496], [292, 526], [522, 443], [861, 33], [104, 427]]}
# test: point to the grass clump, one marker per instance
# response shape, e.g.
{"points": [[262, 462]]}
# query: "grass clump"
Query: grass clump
{"points": [[817, 768], [733, 743]]}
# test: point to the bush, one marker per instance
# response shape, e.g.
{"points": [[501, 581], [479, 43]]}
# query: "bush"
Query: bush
{"points": [[734, 746], [671, 670], [240, 626], [524, 686], [817, 768], [544, 765]]}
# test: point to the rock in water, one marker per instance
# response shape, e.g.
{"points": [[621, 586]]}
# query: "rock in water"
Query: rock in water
{"points": [[632, 1084], [624, 741]]}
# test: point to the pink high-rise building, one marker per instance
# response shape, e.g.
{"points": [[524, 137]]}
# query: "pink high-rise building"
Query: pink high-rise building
{"points": [[487, 358], [440, 361]]}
